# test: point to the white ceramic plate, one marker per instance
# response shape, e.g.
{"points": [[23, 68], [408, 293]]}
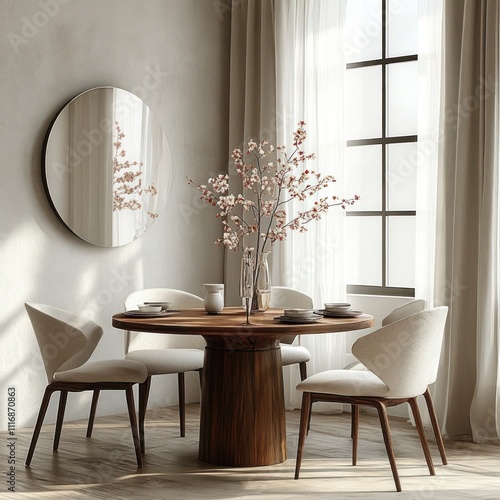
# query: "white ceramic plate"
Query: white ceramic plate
{"points": [[303, 315], [288, 319], [145, 314], [339, 314]]}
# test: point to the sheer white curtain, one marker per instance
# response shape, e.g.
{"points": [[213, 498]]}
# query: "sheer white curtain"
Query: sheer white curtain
{"points": [[91, 189], [426, 162], [430, 19], [309, 86], [144, 142]]}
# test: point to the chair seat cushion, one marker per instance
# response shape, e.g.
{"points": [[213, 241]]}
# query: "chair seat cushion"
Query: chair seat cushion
{"points": [[291, 354], [113, 370], [345, 383], [166, 361]]}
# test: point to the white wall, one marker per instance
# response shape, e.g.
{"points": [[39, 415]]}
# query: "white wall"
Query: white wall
{"points": [[174, 55]]}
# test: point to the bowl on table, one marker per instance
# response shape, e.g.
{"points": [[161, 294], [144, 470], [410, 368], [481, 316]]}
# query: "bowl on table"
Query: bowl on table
{"points": [[298, 313], [165, 306], [333, 307], [151, 308]]}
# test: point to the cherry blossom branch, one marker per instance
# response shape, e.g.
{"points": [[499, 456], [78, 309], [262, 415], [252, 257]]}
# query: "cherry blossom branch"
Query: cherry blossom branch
{"points": [[269, 181]]}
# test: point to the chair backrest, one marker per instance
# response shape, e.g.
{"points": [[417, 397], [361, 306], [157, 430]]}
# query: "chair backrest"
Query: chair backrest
{"points": [[180, 300], [66, 340], [405, 354], [404, 311], [282, 297]]}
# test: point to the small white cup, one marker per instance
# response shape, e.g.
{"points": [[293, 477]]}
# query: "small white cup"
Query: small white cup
{"points": [[214, 298]]}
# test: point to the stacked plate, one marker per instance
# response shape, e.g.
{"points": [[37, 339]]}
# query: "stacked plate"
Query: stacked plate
{"points": [[165, 306], [298, 316], [150, 309], [338, 310]]}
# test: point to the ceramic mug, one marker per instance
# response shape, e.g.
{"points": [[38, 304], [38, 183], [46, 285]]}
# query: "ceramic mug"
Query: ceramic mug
{"points": [[214, 298]]}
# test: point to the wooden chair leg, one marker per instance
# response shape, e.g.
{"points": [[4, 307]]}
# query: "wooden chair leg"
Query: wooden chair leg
{"points": [[303, 370], [200, 375], [133, 423], [421, 434], [353, 416], [182, 403], [309, 419], [435, 426], [39, 422], [354, 432], [143, 403], [303, 376], [60, 418], [304, 421], [93, 408], [386, 432]]}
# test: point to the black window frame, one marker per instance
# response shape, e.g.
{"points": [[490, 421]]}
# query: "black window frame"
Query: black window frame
{"points": [[383, 141]]}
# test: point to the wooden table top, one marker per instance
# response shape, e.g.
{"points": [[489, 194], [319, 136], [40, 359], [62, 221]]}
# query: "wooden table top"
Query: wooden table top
{"points": [[232, 321]]}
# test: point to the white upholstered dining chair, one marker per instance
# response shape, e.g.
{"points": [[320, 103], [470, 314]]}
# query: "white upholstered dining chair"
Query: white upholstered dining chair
{"points": [[164, 354], [397, 314], [66, 343], [393, 376], [283, 297]]}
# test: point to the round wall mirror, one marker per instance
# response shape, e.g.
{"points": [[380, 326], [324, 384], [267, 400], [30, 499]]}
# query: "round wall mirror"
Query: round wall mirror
{"points": [[106, 166]]}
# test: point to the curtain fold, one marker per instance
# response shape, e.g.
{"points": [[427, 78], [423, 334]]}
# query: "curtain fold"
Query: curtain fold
{"points": [[310, 70], [467, 390], [252, 99], [485, 419], [90, 182], [426, 163]]}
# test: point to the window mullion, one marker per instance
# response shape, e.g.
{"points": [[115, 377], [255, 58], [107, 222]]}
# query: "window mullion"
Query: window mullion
{"points": [[384, 146]]}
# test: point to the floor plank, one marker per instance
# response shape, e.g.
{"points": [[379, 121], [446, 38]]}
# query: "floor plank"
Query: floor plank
{"points": [[104, 467]]}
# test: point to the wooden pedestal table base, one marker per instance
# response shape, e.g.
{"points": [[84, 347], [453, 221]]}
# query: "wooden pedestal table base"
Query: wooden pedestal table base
{"points": [[242, 417], [242, 421]]}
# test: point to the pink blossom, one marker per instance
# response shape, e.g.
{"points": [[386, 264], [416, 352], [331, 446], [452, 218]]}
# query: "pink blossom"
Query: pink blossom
{"points": [[271, 183]]}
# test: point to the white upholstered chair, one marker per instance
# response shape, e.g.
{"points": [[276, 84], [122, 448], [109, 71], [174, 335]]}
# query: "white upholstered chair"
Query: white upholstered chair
{"points": [[401, 312], [283, 297], [397, 314], [164, 354], [400, 359], [66, 343]]}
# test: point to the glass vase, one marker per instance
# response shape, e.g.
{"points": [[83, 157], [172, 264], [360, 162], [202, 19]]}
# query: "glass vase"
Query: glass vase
{"points": [[246, 280], [262, 284]]}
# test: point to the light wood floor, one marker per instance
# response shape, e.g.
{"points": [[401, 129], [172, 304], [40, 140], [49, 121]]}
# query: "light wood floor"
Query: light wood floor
{"points": [[103, 467]]}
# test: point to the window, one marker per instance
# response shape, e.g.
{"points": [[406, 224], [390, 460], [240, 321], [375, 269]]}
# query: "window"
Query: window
{"points": [[381, 133]]}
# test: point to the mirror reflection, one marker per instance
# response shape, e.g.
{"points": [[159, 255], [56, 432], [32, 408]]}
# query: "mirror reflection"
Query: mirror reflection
{"points": [[106, 166]]}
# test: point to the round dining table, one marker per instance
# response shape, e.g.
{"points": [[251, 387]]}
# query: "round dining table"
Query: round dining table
{"points": [[242, 411]]}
